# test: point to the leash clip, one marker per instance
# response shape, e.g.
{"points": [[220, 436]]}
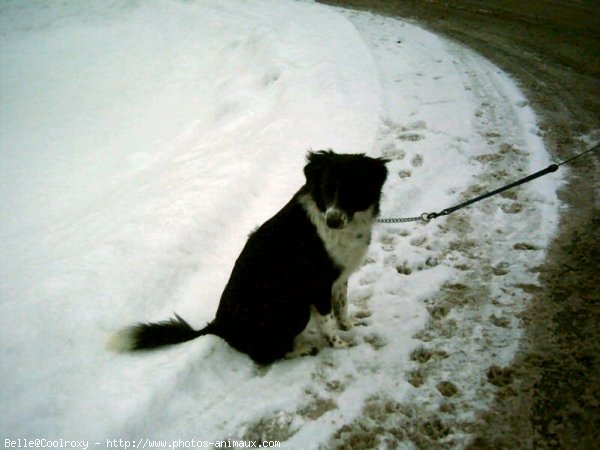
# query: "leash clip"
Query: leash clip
{"points": [[426, 217]]}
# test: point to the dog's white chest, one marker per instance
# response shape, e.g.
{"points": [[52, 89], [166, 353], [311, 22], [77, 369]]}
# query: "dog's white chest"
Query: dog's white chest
{"points": [[348, 246]]}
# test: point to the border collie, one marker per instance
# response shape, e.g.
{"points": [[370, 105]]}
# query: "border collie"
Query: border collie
{"points": [[294, 265]]}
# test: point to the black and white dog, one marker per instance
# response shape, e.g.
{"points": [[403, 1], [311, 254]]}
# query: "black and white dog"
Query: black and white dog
{"points": [[295, 264]]}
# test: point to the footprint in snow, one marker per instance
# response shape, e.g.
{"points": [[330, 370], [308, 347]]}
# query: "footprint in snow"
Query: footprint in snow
{"points": [[360, 318], [376, 341], [387, 242], [411, 137], [368, 279], [404, 269], [418, 241], [316, 407], [391, 151], [524, 246], [417, 161], [513, 208], [404, 232]]}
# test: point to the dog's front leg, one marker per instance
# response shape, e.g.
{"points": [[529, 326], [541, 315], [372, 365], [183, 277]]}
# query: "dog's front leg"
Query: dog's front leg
{"points": [[339, 302], [327, 326]]}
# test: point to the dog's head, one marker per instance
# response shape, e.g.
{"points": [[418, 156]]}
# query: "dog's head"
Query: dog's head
{"points": [[343, 184]]}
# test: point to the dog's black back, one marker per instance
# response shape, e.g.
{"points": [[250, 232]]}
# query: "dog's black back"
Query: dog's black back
{"points": [[282, 270]]}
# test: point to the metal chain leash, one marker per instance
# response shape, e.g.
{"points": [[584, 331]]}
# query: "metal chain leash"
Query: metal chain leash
{"points": [[424, 217]]}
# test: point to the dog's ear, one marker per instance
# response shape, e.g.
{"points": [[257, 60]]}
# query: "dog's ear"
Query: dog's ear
{"points": [[319, 157], [316, 164], [379, 170]]}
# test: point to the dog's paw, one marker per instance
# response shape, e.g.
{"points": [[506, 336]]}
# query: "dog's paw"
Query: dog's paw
{"points": [[338, 342], [346, 325], [360, 319], [305, 350], [361, 322]]}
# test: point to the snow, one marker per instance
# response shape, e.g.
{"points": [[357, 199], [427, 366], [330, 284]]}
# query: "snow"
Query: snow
{"points": [[140, 143]]}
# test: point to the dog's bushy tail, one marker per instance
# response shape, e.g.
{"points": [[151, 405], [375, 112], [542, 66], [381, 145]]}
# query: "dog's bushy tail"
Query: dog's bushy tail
{"points": [[148, 336]]}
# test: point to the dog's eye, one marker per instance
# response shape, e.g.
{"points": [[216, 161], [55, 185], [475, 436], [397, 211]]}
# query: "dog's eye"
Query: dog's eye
{"points": [[325, 184], [361, 199]]}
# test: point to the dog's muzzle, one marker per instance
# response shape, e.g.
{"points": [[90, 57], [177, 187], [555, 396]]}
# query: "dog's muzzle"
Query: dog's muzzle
{"points": [[335, 219]]}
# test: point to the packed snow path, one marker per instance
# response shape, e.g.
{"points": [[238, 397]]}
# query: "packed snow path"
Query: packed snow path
{"points": [[140, 143]]}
